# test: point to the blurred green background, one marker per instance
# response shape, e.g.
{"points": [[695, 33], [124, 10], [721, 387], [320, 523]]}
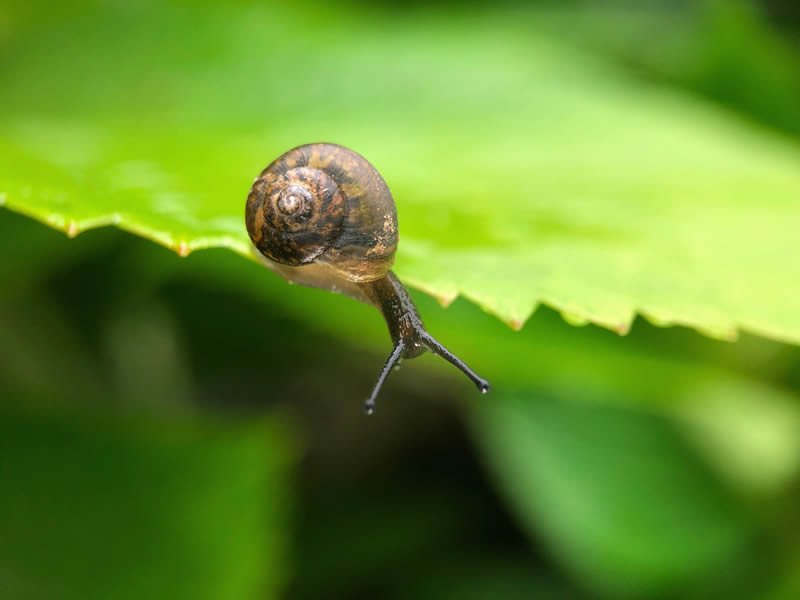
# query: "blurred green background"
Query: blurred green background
{"points": [[192, 428]]}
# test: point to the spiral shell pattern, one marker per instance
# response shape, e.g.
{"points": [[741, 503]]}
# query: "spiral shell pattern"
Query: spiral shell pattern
{"points": [[324, 203]]}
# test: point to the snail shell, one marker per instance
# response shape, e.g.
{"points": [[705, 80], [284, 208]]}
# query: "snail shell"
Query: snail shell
{"points": [[327, 205]]}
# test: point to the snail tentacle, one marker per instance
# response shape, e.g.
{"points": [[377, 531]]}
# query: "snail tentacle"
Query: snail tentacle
{"points": [[394, 359], [407, 330], [435, 347]]}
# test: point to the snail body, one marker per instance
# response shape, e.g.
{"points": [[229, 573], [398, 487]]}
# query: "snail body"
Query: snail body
{"points": [[322, 216]]}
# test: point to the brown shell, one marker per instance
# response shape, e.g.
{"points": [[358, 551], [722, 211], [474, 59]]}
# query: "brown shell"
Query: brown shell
{"points": [[324, 203]]}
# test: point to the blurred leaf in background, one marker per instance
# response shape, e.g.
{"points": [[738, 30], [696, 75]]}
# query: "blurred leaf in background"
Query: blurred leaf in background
{"points": [[740, 54], [108, 510], [611, 489]]}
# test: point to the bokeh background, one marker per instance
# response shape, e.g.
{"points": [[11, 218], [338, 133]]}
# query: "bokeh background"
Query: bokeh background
{"points": [[192, 428]]}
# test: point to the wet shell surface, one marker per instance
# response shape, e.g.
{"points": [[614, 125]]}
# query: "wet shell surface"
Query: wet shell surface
{"points": [[324, 203]]}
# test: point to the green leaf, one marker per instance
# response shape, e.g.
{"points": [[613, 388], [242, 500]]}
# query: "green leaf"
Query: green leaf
{"points": [[524, 172], [619, 496], [96, 509]]}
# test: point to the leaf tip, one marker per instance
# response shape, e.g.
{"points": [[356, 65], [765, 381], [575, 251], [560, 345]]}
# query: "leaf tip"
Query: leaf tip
{"points": [[183, 249], [516, 324], [446, 299], [72, 229]]}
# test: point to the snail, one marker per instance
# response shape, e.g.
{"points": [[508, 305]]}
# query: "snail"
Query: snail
{"points": [[322, 216]]}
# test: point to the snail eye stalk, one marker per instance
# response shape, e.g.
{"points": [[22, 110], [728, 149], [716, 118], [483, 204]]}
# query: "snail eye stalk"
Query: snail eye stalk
{"points": [[408, 333], [431, 344], [437, 348], [391, 362]]}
